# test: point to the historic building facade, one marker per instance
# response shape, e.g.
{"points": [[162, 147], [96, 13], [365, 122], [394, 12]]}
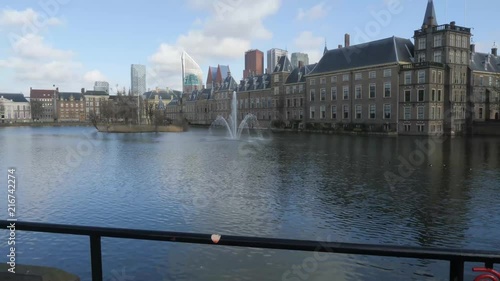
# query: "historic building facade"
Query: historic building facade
{"points": [[14, 108], [436, 84]]}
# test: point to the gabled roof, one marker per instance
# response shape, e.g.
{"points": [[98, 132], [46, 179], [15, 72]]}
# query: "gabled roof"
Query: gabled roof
{"points": [[228, 84], [14, 97], [298, 74], [41, 94], [96, 93], [283, 65], [485, 62], [166, 95], [224, 70], [212, 75], [384, 51], [67, 95], [430, 15], [253, 83]]}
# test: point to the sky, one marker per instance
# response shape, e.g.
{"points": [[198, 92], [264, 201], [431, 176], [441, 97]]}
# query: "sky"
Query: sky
{"points": [[73, 43]]}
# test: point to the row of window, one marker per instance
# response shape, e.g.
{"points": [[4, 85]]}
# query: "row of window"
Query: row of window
{"points": [[358, 112], [420, 128], [454, 41], [345, 77], [358, 92]]}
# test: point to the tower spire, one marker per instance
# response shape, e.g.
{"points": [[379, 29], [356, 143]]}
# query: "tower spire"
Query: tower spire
{"points": [[326, 49], [430, 15]]}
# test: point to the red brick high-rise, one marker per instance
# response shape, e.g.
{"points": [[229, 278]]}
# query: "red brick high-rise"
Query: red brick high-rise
{"points": [[254, 63]]}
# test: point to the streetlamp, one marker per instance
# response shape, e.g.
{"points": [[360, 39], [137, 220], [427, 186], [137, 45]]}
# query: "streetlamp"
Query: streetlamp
{"points": [[54, 101]]}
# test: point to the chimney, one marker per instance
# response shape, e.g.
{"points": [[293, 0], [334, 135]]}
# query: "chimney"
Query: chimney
{"points": [[301, 63], [494, 50], [340, 46], [452, 23], [347, 40], [473, 48], [229, 74], [83, 90]]}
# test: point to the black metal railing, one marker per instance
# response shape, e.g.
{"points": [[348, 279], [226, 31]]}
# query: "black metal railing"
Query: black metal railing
{"points": [[456, 257]]}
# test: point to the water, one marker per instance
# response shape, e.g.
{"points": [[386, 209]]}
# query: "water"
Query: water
{"points": [[294, 186]]}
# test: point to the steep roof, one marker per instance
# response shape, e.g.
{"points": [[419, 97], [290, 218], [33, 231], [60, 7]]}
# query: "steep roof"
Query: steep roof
{"points": [[96, 93], [298, 74], [283, 65], [258, 82], [14, 97], [384, 51], [224, 69], [41, 94], [228, 84], [485, 62], [162, 93], [67, 96], [430, 15]]}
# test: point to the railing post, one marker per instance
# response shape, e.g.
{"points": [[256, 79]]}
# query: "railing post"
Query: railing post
{"points": [[95, 257], [456, 270]]}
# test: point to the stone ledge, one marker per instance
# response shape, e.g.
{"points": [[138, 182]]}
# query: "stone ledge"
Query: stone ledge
{"points": [[35, 273]]}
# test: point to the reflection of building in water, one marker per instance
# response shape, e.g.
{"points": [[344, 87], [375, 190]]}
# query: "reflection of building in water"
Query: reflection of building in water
{"points": [[191, 74]]}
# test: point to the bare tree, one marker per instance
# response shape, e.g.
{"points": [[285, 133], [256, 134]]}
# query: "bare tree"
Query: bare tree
{"points": [[106, 108], [149, 108], [94, 118], [160, 115], [36, 109]]}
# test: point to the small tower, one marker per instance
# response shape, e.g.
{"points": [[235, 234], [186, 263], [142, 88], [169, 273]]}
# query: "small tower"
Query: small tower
{"points": [[430, 16]]}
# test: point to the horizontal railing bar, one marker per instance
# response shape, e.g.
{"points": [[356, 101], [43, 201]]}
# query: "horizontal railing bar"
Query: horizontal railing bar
{"points": [[265, 243]]}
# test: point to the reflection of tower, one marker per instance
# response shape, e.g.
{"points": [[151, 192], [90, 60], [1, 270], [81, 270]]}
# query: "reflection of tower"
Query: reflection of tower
{"points": [[191, 74]]}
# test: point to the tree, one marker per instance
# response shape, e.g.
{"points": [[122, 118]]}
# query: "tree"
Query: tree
{"points": [[106, 108], [149, 109], [160, 115], [94, 118], [36, 109]]}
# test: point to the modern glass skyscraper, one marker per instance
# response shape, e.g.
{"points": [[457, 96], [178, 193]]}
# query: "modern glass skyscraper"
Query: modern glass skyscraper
{"points": [[299, 57], [273, 56], [138, 79], [192, 75]]}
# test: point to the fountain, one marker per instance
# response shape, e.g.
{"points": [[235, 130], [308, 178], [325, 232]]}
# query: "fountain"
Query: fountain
{"points": [[232, 126]]}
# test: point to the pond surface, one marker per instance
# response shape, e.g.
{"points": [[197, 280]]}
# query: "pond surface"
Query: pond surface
{"points": [[381, 190]]}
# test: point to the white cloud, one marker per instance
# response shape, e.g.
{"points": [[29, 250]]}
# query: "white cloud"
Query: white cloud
{"points": [[316, 12], [225, 35], [313, 46], [32, 60], [93, 76], [9, 17]]}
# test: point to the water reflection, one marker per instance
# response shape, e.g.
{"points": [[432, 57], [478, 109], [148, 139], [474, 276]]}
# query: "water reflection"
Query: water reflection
{"points": [[295, 186]]}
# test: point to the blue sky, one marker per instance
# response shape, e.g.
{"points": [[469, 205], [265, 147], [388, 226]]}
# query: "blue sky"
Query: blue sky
{"points": [[72, 43]]}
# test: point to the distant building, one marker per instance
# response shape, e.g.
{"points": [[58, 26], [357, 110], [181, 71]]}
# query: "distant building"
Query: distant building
{"points": [[14, 108], [93, 100], [254, 63], [192, 75], [48, 98], [138, 79], [71, 107], [101, 86], [299, 60], [216, 76], [273, 56]]}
